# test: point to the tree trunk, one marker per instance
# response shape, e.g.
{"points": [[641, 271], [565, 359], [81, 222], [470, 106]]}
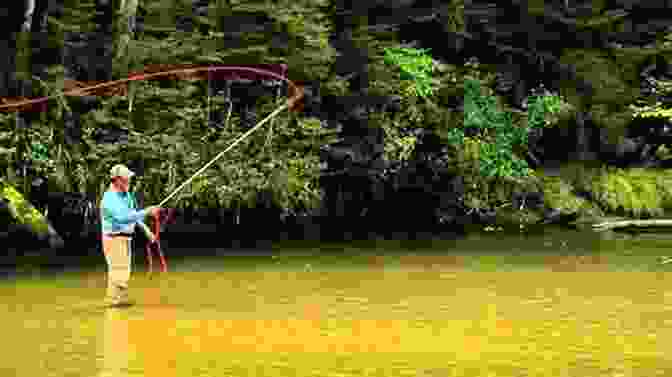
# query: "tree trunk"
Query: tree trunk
{"points": [[581, 137], [126, 26], [632, 223], [28, 16], [40, 16], [125, 29], [200, 9], [24, 78]]}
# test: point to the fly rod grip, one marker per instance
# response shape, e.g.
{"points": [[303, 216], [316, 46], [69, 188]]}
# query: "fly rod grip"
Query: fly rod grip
{"points": [[146, 230]]}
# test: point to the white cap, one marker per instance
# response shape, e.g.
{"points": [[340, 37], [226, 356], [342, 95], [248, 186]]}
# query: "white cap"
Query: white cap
{"points": [[120, 170]]}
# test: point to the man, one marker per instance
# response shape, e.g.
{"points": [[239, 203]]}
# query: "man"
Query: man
{"points": [[119, 218]]}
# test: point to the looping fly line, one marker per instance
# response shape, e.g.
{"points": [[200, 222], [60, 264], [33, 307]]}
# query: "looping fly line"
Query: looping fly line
{"points": [[291, 102], [17, 106]]}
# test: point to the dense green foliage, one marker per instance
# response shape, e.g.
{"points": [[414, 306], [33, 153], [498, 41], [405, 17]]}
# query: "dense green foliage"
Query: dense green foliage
{"points": [[167, 121], [645, 110], [410, 79], [415, 65], [496, 155], [634, 192], [167, 125], [22, 210]]}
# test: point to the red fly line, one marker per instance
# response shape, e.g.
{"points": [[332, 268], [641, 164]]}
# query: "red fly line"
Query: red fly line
{"points": [[153, 72], [168, 214]]}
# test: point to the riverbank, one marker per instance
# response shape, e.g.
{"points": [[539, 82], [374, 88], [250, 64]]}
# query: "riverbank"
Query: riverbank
{"points": [[549, 249]]}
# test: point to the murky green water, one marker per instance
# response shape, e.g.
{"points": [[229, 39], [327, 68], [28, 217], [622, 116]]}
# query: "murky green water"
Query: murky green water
{"points": [[494, 304]]}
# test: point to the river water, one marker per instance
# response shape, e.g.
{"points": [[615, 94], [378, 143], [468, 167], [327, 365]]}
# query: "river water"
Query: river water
{"points": [[556, 303]]}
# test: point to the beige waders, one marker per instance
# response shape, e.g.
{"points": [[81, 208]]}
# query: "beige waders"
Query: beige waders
{"points": [[118, 254]]}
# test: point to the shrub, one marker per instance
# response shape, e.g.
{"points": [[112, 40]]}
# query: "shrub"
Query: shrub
{"points": [[497, 158], [22, 210]]}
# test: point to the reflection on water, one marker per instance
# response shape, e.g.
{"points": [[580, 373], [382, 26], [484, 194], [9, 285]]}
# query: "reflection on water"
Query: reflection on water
{"points": [[114, 347]]}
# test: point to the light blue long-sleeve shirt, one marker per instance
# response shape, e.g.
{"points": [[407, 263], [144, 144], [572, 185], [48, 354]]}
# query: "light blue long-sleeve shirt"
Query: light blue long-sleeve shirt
{"points": [[119, 214]]}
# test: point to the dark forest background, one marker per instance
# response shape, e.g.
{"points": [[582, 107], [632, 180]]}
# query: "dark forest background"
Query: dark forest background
{"points": [[365, 155]]}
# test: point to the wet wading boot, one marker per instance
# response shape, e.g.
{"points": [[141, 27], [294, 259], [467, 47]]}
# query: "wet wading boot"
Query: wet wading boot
{"points": [[118, 303], [121, 300]]}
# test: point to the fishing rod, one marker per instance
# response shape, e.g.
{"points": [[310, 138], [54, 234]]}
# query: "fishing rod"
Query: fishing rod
{"points": [[290, 103], [238, 140]]}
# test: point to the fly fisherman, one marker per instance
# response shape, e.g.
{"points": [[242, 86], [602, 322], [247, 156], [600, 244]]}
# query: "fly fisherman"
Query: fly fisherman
{"points": [[119, 217]]}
